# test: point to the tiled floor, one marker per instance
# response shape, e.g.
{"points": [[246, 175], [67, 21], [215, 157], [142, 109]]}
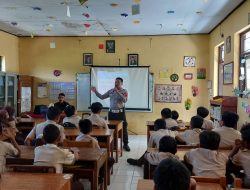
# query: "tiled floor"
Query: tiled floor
{"points": [[125, 176]]}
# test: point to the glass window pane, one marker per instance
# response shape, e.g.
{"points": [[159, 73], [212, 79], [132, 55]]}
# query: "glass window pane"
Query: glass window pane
{"points": [[11, 91], [247, 45], [248, 73], [2, 90]]}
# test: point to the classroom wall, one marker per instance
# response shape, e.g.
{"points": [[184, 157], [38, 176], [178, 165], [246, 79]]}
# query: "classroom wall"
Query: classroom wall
{"points": [[9, 49], [38, 60], [236, 23]]}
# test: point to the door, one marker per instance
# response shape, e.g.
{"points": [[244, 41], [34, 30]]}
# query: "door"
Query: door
{"points": [[2, 89]]}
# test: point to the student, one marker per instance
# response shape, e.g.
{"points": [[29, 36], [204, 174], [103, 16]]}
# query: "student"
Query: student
{"points": [[167, 149], [85, 126], [71, 115], [4, 119], [11, 118], [206, 160], [191, 136], [50, 154], [172, 174], [160, 131], [226, 131], [37, 131], [61, 104], [175, 116], [203, 112], [240, 155], [95, 117], [166, 114]]}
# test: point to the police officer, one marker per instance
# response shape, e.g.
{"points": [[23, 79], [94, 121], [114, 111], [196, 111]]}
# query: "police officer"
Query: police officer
{"points": [[118, 97]]}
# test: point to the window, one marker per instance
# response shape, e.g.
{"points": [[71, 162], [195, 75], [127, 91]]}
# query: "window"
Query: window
{"points": [[1, 66], [220, 69], [244, 71]]}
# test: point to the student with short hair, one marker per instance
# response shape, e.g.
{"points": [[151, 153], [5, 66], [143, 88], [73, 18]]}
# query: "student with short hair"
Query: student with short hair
{"points": [[226, 131], [173, 175], [207, 161], [203, 112], [61, 104], [175, 116], [11, 119], [37, 131], [191, 136], [85, 126], [71, 115], [240, 155], [159, 132], [50, 154], [95, 117], [167, 115]]}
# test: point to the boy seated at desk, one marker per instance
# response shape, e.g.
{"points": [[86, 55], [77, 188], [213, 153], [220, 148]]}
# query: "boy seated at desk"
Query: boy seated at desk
{"points": [[207, 161], [71, 116], [172, 174], [37, 131], [167, 115], [175, 116], [50, 154], [159, 132], [6, 148], [203, 112], [95, 117], [240, 155], [191, 136], [227, 132]]}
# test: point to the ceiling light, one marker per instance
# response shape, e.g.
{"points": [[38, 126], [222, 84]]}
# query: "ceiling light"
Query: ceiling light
{"points": [[199, 12], [114, 29], [179, 25]]}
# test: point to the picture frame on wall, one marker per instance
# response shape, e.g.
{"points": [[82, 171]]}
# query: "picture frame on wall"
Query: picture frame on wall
{"points": [[110, 46], [88, 59], [188, 76], [189, 61], [228, 44], [228, 73], [133, 60]]}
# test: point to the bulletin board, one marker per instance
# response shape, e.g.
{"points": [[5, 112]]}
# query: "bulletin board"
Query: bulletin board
{"points": [[68, 88], [168, 93]]}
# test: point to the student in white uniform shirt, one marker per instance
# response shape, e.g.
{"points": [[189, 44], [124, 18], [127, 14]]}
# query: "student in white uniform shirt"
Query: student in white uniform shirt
{"points": [[207, 161], [37, 131], [167, 115], [240, 155], [203, 112], [226, 131], [50, 154], [95, 117], [191, 136], [71, 115], [85, 126]]}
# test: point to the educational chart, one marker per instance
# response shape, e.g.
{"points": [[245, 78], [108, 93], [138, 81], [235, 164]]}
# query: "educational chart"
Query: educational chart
{"points": [[68, 88], [168, 93]]}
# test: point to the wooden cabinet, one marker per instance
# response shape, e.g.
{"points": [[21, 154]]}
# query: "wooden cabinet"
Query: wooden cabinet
{"points": [[220, 104], [25, 94]]}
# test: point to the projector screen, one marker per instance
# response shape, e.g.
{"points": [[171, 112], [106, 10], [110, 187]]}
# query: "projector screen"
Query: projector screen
{"points": [[135, 81]]}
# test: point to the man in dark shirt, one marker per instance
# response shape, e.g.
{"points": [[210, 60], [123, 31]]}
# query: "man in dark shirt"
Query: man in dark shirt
{"points": [[61, 104]]}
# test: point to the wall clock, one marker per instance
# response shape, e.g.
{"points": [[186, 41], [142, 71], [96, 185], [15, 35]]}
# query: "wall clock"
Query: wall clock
{"points": [[189, 61]]}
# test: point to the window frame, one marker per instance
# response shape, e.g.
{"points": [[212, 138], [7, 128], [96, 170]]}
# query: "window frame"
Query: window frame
{"points": [[221, 62]]}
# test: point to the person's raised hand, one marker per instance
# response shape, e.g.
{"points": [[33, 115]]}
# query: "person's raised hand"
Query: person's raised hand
{"points": [[93, 89]]}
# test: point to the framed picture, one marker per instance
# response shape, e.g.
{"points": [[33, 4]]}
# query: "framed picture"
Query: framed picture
{"points": [[248, 18], [188, 76], [110, 46], [228, 44], [88, 59], [133, 60], [228, 72], [201, 73], [189, 61], [168, 93]]}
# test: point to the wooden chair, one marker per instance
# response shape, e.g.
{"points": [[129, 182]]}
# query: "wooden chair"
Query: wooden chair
{"points": [[31, 169], [85, 144], [220, 180]]}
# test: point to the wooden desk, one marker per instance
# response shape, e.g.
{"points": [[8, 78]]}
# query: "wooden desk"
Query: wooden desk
{"points": [[28, 181], [93, 158], [25, 123], [149, 185], [150, 127], [117, 126]]}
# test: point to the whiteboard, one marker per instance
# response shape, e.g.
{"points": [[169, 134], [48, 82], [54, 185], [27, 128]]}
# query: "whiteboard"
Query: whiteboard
{"points": [[83, 92]]}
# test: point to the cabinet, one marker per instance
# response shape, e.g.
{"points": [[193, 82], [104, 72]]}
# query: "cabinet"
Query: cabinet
{"points": [[8, 89], [25, 94], [220, 104]]}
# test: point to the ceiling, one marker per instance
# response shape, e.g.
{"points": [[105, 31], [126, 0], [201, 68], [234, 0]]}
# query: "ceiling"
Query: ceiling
{"points": [[99, 18]]}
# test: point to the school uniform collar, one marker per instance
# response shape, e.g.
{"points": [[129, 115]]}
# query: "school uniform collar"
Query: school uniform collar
{"points": [[50, 145], [50, 121]]}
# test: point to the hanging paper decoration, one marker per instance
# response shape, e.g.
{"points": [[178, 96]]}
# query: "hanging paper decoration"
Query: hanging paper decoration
{"points": [[87, 25], [124, 14], [57, 73], [86, 15], [195, 91], [135, 9], [32, 35], [52, 17], [113, 4], [174, 77], [101, 46], [82, 1], [68, 11], [36, 8], [188, 104], [14, 23]]}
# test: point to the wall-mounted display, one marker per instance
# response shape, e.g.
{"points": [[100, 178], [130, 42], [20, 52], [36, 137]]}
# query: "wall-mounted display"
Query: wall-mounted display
{"points": [[168, 93]]}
